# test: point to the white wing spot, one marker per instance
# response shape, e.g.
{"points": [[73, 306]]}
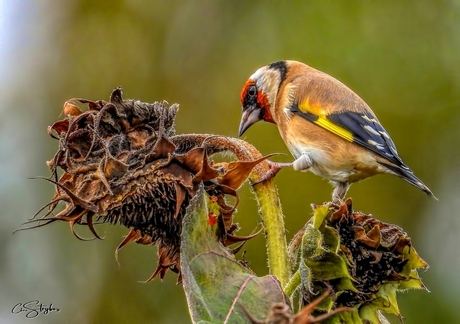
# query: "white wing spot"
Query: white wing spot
{"points": [[371, 120], [373, 142], [371, 130], [385, 135]]}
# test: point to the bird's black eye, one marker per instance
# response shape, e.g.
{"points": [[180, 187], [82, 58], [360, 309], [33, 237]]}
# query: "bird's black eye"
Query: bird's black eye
{"points": [[252, 91]]}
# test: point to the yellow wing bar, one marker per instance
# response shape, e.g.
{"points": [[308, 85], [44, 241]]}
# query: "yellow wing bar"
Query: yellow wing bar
{"points": [[318, 116]]}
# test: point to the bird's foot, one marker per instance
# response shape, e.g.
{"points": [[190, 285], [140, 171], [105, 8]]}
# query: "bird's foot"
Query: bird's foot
{"points": [[337, 200], [340, 191], [275, 167]]}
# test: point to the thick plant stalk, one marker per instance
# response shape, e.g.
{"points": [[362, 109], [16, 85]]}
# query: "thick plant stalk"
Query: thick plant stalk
{"points": [[266, 194], [270, 210]]}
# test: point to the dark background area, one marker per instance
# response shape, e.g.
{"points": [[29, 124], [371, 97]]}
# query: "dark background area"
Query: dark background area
{"points": [[402, 58]]}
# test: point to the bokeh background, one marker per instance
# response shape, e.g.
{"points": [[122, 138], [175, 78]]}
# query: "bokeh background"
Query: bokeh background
{"points": [[403, 58]]}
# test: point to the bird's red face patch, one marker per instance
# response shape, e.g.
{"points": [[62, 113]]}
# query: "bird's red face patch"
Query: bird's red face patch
{"points": [[252, 96], [264, 104]]}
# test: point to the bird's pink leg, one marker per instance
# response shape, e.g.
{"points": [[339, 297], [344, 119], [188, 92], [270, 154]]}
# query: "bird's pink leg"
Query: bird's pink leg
{"points": [[275, 167], [340, 190]]}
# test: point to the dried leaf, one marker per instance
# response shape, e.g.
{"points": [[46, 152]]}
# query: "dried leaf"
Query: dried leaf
{"points": [[71, 109], [237, 172]]}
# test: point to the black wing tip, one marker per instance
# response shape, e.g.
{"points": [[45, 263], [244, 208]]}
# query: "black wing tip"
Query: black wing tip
{"points": [[416, 182], [406, 174], [430, 193], [425, 189]]}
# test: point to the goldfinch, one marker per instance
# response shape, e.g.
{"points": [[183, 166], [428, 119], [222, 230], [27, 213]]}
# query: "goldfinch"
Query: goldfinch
{"points": [[328, 129]]}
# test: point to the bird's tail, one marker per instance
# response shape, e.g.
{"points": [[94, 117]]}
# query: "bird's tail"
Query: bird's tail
{"points": [[409, 176]]}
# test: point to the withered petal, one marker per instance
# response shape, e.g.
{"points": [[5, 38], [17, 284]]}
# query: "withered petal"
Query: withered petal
{"points": [[377, 255], [71, 224], [237, 172], [159, 271], [51, 204], [71, 109], [75, 200], [163, 148], [99, 174], [307, 310], [396, 277], [166, 261], [180, 197], [193, 159], [207, 172], [391, 235], [117, 95], [232, 239], [114, 168], [71, 213], [132, 235], [374, 233], [93, 105], [179, 173], [361, 236], [238, 248], [402, 243], [61, 126], [89, 222], [339, 213]]}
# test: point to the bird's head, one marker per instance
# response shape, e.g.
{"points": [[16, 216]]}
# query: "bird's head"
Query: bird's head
{"points": [[258, 96]]}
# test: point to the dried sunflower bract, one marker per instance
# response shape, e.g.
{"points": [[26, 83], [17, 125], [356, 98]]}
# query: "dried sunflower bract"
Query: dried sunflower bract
{"points": [[363, 261], [119, 165]]}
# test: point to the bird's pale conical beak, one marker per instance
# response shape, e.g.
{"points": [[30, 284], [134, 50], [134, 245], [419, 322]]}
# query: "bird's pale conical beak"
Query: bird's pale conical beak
{"points": [[249, 117]]}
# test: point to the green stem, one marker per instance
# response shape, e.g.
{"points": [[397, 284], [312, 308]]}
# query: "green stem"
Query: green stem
{"points": [[265, 192], [293, 284], [272, 216]]}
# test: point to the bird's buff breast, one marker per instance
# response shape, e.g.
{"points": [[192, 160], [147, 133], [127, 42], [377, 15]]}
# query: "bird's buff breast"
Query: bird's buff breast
{"points": [[328, 166], [325, 154]]}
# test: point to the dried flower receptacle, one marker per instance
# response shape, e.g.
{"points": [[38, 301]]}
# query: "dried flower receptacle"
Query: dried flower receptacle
{"points": [[362, 260], [120, 165]]}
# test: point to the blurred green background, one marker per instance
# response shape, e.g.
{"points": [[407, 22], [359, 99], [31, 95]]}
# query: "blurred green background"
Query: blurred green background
{"points": [[403, 58]]}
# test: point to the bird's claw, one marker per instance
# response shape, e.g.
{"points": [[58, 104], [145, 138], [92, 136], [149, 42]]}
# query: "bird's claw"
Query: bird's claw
{"points": [[275, 167]]}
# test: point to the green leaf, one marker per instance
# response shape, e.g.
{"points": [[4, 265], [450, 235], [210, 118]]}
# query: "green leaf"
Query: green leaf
{"points": [[344, 317], [311, 243], [305, 276], [331, 240], [215, 283], [320, 244], [329, 266], [413, 283], [345, 284], [385, 301], [370, 315], [415, 261], [387, 297], [320, 214]]}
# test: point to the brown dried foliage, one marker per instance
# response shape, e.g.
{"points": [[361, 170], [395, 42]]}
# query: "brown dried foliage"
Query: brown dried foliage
{"points": [[120, 165], [374, 253]]}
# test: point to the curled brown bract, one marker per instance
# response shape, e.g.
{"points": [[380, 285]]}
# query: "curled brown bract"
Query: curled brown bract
{"points": [[122, 163]]}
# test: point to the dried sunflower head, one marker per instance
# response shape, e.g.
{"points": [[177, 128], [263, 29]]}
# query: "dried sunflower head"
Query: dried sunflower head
{"points": [[120, 165], [362, 260]]}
